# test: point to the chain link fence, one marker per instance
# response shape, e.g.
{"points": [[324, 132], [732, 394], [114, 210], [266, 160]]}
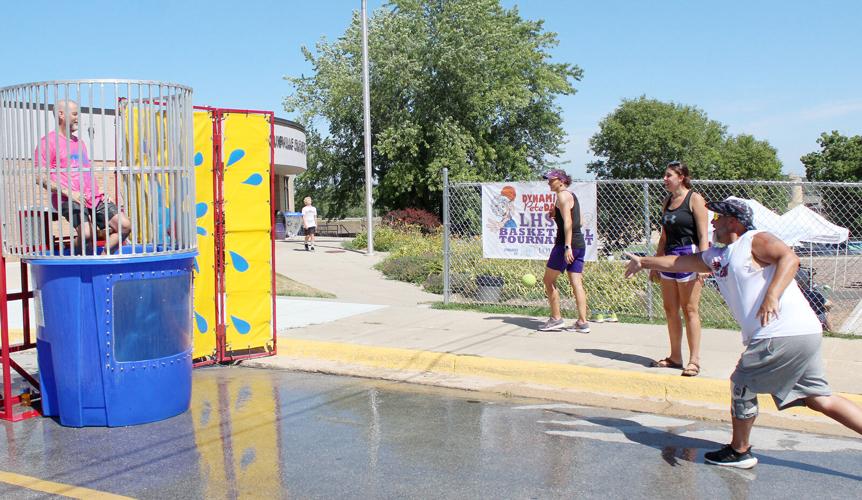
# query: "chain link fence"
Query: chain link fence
{"points": [[628, 221]]}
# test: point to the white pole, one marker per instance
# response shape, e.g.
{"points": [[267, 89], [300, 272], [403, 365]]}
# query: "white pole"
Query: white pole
{"points": [[366, 107]]}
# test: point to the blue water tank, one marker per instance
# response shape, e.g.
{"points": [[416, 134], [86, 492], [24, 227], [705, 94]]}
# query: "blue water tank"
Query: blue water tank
{"points": [[114, 338]]}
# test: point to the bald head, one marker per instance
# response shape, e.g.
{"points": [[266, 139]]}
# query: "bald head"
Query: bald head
{"points": [[66, 113]]}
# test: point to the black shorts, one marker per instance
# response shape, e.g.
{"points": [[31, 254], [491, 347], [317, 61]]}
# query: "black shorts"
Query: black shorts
{"points": [[75, 217], [310, 230]]}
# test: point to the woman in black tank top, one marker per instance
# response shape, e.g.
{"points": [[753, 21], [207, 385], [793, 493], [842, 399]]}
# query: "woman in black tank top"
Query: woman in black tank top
{"points": [[567, 255], [683, 232]]}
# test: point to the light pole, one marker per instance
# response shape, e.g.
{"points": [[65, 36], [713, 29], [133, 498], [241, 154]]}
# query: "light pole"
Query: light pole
{"points": [[366, 112]]}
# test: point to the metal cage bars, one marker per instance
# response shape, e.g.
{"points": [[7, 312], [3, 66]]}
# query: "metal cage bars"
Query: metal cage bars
{"points": [[66, 144]]}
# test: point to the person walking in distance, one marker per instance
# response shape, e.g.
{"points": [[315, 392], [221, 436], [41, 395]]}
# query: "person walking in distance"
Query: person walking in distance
{"points": [[309, 222], [683, 232], [567, 255], [755, 274]]}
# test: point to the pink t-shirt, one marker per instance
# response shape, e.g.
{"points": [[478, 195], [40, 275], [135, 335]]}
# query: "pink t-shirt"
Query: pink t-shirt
{"points": [[53, 146]]}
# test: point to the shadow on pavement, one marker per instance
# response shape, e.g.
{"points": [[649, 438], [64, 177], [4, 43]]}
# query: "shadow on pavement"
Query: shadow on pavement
{"points": [[523, 322], [334, 247], [675, 447], [618, 356]]}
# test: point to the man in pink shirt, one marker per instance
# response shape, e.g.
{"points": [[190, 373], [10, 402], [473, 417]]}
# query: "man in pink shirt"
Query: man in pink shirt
{"points": [[71, 179]]}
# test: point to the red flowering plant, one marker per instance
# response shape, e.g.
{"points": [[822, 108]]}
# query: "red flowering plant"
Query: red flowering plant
{"points": [[413, 217]]}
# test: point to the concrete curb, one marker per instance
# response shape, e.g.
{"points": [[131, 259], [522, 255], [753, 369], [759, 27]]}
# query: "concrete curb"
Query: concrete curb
{"points": [[710, 396]]}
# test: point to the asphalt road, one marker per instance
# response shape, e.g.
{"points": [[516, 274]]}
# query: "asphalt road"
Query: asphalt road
{"points": [[277, 434]]}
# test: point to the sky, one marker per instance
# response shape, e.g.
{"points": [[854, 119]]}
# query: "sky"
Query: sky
{"points": [[783, 71]]}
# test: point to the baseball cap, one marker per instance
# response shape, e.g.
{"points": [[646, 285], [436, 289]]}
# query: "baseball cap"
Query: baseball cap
{"points": [[734, 208], [557, 174]]}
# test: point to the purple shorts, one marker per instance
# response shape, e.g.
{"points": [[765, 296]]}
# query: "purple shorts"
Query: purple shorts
{"points": [[557, 260], [680, 277]]}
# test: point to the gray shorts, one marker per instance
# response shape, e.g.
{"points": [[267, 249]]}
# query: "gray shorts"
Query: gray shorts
{"points": [[788, 368]]}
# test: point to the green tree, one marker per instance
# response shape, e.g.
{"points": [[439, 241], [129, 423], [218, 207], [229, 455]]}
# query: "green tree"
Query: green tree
{"points": [[839, 158], [640, 137], [463, 84]]}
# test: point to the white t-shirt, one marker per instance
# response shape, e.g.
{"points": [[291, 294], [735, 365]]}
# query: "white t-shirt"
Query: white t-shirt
{"points": [[743, 283], [309, 215]]}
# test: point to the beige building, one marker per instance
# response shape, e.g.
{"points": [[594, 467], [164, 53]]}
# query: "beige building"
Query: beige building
{"points": [[290, 161]]}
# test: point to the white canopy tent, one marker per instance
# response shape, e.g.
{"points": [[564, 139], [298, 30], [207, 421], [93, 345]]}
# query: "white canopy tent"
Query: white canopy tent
{"points": [[806, 225]]}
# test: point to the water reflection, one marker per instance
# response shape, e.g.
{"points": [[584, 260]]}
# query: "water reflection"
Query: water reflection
{"points": [[236, 434]]}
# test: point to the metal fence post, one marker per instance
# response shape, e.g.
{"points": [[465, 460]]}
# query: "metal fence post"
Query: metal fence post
{"points": [[647, 239], [446, 255]]}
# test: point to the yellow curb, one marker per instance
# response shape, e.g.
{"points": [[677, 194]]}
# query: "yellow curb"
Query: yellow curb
{"points": [[622, 383]]}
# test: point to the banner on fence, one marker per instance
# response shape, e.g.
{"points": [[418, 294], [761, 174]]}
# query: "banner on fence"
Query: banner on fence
{"points": [[515, 222]]}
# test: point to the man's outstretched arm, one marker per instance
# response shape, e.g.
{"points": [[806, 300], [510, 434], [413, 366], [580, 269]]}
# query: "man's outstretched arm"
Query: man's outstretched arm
{"points": [[667, 263]]}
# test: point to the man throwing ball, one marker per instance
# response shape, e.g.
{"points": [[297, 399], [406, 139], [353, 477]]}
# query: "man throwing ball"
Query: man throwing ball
{"points": [[754, 272]]}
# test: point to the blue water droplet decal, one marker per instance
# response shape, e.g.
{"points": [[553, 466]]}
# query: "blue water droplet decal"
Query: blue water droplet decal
{"points": [[201, 209], [239, 262], [253, 180], [202, 323], [199, 159], [235, 156], [240, 325], [197, 267], [202, 231]]}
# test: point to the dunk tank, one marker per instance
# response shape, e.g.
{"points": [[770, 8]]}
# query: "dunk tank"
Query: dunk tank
{"points": [[97, 196]]}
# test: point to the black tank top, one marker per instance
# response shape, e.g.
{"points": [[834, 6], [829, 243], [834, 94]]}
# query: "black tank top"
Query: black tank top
{"points": [[577, 235], [679, 226]]}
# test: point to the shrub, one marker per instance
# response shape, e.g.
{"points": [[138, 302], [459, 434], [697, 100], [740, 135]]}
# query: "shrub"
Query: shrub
{"points": [[386, 238], [411, 268], [434, 283], [423, 219]]}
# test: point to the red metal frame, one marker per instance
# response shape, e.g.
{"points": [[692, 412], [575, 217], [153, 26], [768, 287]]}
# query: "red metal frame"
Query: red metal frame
{"points": [[7, 408], [222, 353]]}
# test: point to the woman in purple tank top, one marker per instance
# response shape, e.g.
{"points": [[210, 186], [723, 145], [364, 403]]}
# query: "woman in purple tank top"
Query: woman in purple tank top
{"points": [[683, 232]]}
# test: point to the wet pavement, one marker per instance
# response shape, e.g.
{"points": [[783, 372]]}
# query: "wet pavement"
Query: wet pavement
{"points": [[279, 434]]}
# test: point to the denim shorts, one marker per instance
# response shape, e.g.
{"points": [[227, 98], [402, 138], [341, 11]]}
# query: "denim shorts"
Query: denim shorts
{"points": [[74, 217]]}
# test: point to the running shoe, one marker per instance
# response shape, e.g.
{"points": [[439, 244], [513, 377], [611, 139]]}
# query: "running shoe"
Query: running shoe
{"points": [[581, 327], [553, 325], [729, 457]]}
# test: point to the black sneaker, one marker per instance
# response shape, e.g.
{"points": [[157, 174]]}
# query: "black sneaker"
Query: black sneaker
{"points": [[729, 457]]}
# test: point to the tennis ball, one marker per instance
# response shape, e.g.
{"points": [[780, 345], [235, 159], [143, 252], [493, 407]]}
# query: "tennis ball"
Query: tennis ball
{"points": [[528, 279]]}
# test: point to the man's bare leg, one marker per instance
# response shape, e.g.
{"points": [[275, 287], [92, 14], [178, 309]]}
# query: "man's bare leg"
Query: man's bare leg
{"points": [[120, 226], [742, 433], [839, 409]]}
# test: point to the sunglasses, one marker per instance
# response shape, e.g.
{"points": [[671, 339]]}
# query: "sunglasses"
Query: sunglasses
{"points": [[676, 163]]}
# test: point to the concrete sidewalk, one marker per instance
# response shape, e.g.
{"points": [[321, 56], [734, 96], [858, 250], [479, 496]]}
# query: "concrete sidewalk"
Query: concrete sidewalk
{"points": [[407, 340]]}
